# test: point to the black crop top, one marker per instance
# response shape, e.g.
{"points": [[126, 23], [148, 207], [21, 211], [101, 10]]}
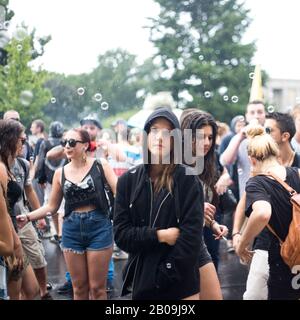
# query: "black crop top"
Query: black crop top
{"points": [[14, 192], [88, 191]]}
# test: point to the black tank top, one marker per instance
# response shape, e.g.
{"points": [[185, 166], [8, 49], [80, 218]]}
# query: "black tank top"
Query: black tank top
{"points": [[14, 192], [87, 192]]}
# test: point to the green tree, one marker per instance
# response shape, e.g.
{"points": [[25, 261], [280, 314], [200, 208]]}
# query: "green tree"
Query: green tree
{"points": [[200, 54], [22, 88]]}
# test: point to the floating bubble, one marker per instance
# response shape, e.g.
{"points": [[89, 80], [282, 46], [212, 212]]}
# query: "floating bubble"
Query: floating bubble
{"points": [[241, 119], [251, 75], [234, 99], [81, 91], [53, 100], [222, 90], [201, 57], [225, 98], [20, 34], [104, 106], [1, 26], [6, 69], [271, 109], [6, 24], [19, 47], [207, 94], [26, 97], [98, 97]]}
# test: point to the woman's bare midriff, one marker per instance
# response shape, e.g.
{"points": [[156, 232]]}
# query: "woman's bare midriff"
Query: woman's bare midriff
{"points": [[85, 209]]}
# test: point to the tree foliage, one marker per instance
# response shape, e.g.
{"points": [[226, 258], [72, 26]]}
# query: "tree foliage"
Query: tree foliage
{"points": [[22, 88], [201, 57]]}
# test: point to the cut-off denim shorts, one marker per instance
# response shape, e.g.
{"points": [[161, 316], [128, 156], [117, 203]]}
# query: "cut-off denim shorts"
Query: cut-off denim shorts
{"points": [[86, 231]]}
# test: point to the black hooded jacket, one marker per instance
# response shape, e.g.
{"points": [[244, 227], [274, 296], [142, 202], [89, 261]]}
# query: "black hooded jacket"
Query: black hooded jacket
{"points": [[157, 270]]}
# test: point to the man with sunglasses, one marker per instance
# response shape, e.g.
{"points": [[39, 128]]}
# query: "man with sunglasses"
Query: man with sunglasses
{"points": [[282, 128]]}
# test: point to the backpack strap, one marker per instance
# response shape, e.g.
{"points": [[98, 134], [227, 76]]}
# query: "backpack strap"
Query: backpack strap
{"points": [[289, 189]]}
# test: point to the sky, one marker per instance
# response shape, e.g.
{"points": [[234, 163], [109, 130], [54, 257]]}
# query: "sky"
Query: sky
{"points": [[81, 30]]}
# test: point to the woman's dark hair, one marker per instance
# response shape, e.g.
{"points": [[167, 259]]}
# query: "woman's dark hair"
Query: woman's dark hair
{"points": [[84, 136], [196, 120], [10, 133]]}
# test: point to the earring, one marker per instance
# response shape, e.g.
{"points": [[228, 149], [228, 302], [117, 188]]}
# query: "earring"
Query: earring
{"points": [[84, 158]]}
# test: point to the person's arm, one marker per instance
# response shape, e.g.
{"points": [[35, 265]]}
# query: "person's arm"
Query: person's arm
{"points": [[238, 220], [56, 153], [258, 219], [113, 149], [6, 237], [110, 175], [229, 156], [32, 197], [53, 204], [223, 182]]}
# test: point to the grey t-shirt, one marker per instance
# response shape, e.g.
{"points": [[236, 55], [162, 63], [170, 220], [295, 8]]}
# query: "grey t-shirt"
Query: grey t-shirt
{"points": [[295, 145], [23, 179], [243, 166]]}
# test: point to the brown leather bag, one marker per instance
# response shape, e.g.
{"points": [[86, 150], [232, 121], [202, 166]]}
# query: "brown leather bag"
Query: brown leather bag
{"points": [[290, 246]]}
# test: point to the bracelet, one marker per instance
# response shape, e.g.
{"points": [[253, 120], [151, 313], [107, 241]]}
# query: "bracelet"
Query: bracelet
{"points": [[28, 218], [234, 234]]}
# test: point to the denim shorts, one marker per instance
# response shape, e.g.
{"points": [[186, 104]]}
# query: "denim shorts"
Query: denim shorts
{"points": [[86, 231]]}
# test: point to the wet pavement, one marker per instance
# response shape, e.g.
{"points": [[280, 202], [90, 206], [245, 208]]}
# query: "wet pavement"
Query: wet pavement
{"points": [[232, 274]]}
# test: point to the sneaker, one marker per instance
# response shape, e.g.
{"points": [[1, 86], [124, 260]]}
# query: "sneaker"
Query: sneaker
{"points": [[47, 296], [120, 255], [66, 288], [49, 285]]}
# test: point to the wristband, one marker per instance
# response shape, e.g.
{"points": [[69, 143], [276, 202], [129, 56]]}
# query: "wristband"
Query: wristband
{"points": [[28, 218], [234, 234]]}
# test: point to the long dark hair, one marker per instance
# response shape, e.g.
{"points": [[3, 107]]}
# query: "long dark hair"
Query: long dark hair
{"points": [[10, 133], [196, 120]]}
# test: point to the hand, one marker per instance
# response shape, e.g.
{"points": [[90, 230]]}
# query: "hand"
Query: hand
{"points": [[168, 236], [43, 185], [41, 224], [19, 258], [209, 213], [223, 183], [220, 188], [219, 230], [22, 220], [244, 253], [235, 240]]}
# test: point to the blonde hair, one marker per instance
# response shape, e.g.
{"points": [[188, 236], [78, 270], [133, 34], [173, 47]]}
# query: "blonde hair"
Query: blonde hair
{"points": [[295, 111], [261, 145]]}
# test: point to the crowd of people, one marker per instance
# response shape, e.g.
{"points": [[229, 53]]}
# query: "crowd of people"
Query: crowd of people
{"points": [[154, 197]]}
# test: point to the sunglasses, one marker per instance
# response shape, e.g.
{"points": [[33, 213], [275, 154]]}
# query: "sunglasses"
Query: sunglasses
{"points": [[71, 142], [268, 130]]}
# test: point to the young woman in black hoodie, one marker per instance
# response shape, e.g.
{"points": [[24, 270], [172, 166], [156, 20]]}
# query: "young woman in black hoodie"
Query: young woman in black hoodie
{"points": [[157, 220]]}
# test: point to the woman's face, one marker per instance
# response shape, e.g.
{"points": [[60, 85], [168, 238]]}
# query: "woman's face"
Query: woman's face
{"points": [[20, 144], [204, 140], [73, 145], [159, 139]]}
